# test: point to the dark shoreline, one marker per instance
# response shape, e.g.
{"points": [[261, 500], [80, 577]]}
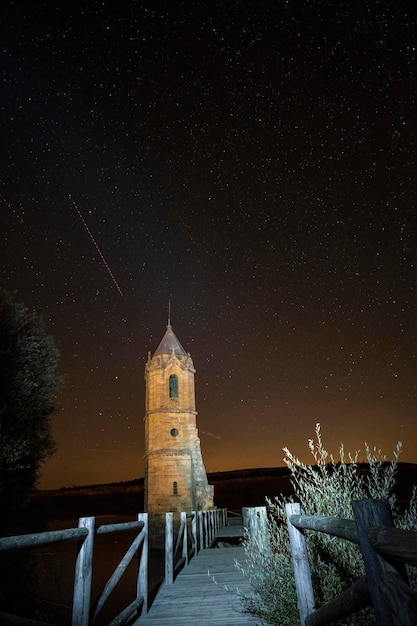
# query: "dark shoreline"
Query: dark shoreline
{"points": [[232, 490]]}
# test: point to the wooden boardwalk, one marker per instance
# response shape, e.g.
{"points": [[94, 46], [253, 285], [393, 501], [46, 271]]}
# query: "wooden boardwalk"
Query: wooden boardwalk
{"points": [[199, 595]]}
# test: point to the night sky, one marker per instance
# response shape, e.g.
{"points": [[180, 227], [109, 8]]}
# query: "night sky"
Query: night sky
{"points": [[253, 161]]}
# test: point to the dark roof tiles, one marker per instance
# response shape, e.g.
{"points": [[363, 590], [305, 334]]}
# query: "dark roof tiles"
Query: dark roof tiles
{"points": [[169, 343]]}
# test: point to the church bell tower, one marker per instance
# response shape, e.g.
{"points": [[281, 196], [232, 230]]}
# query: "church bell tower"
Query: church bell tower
{"points": [[175, 477]]}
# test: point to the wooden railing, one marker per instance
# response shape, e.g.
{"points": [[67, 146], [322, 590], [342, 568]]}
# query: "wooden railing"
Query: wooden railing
{"points": [[384, 548], [196, 531], [83, 613]]}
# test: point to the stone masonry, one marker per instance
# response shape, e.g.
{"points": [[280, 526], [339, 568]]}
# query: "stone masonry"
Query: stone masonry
{"points": [[175, 477]]}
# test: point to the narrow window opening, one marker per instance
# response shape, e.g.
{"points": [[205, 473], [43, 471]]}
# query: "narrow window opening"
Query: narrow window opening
{"points": [[175, 488], [173, 386]]}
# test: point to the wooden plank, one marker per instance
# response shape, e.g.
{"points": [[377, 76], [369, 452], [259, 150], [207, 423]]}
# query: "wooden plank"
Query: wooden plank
{"points": [[204, 593], [230, 531]]}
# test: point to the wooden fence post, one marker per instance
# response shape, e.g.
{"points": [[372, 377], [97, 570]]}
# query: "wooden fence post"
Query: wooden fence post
{"points": [[142, 583], [391, 609], [209, 527], [194, 546], [200, 530], [183, 523], [169, 548], [245, 517], [302, 574], [211, 513], [83, 575], [206, 529], [261, 525], [224, 517], [256, 521]]}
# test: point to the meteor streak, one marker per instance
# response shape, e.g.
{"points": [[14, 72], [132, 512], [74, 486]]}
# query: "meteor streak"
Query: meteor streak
{"points": [[209, 434], [106, 265]]}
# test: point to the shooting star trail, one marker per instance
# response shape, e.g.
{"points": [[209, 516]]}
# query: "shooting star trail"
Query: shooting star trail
{"points": [[209, 434], [106, 265]]}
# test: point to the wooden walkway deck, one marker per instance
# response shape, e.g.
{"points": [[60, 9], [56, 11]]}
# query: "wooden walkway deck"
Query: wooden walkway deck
{"points": [[199, 595]]}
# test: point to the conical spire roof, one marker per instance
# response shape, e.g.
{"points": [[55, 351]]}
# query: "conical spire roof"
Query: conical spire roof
{"points": [[169, 343]]}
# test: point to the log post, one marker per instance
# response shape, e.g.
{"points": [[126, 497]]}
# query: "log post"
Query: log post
{"points": [[256, 521], [142, 582], [388, 611], [200, 530], [216, 521], [261, 521], [194, 545], [83, 575], [245, 517], [206, 530], [169, 548], [225, 521], [183, 525], [302, 574], [211, 523]]}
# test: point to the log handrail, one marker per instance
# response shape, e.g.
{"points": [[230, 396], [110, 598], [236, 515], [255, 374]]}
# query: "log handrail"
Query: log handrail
{"points": [[19, 542], [106, 529], [388, 541], [342, 528]]}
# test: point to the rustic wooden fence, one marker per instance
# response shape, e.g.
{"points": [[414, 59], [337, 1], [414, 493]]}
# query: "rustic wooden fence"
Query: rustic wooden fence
{"points": [[196, 531], [204, 524], [83, 613], [385, 550]]}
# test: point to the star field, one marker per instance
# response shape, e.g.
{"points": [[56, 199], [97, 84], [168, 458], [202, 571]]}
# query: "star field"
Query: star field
{"points": [[253, 161]]}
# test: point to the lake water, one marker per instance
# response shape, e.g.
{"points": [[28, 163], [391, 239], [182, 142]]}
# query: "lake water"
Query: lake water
{"points": [[56, 566]]}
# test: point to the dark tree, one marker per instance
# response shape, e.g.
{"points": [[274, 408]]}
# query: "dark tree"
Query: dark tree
{"points": [[28, 382]]}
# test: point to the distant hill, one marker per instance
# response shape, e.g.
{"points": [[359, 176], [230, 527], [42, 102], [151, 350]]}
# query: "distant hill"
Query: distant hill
{"points": [[232, 490]]}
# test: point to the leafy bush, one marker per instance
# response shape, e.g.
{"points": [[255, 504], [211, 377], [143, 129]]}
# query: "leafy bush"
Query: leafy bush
{"points": [[325, 488]]}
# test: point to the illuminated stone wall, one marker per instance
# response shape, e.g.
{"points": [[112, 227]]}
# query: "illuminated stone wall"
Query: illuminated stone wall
{"points": [[175, 477]]}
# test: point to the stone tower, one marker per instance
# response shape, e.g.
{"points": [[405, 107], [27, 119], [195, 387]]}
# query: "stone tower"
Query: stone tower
{"points": [[175, 477]]}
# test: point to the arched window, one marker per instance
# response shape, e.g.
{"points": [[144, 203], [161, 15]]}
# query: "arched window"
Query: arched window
{"points": [[175, 488], [173, 386]]}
